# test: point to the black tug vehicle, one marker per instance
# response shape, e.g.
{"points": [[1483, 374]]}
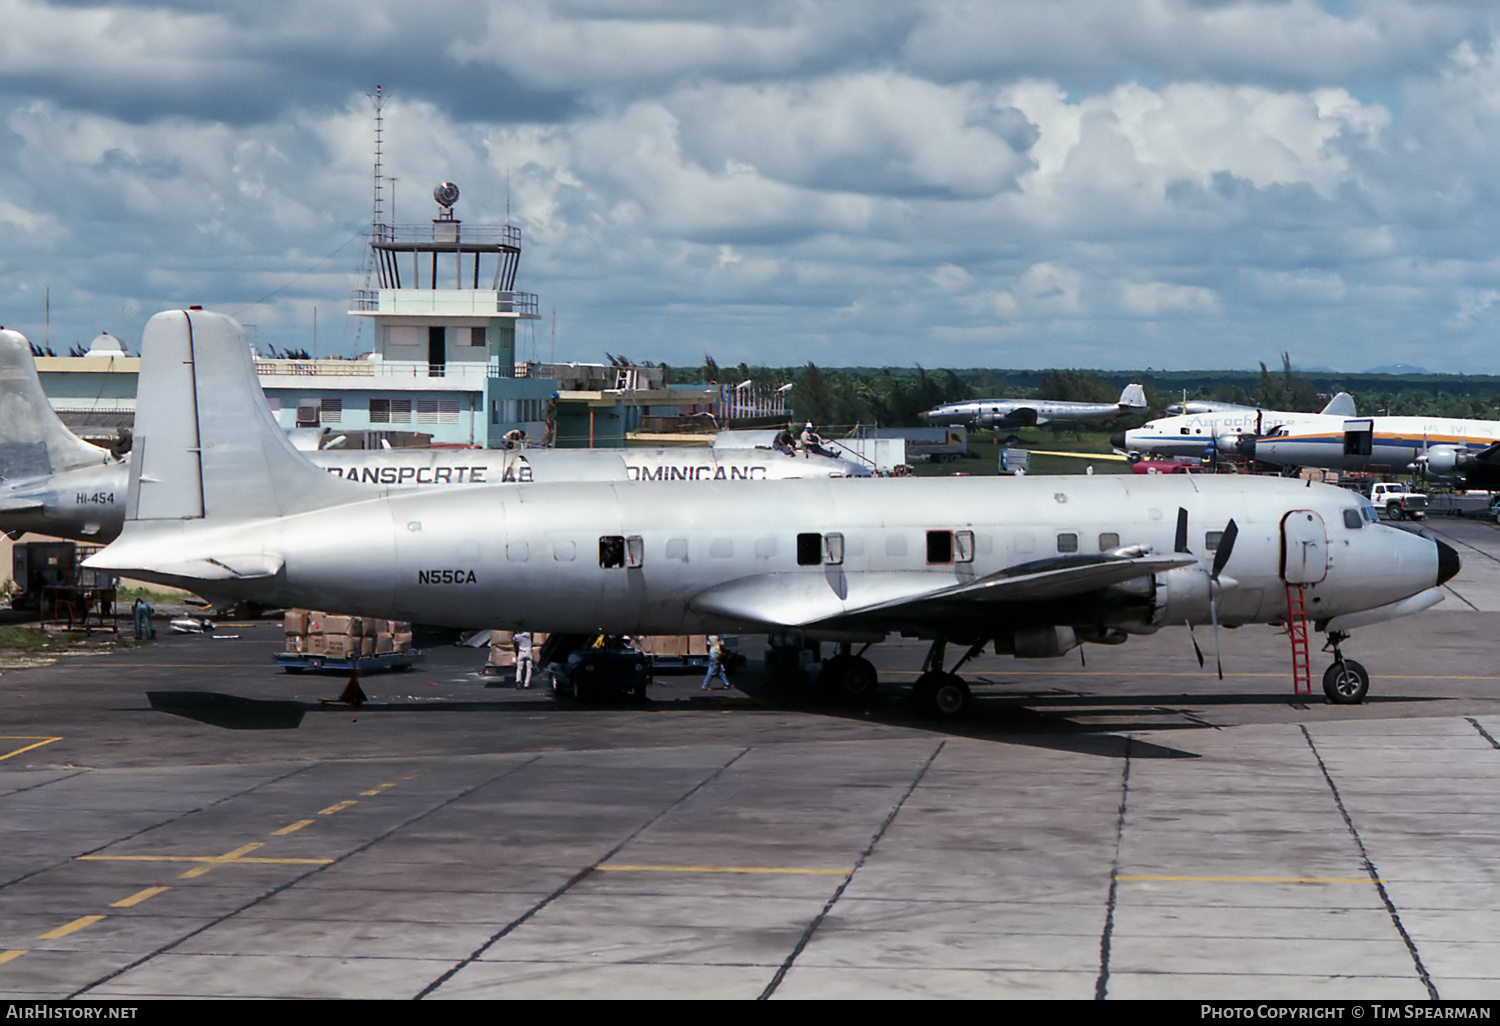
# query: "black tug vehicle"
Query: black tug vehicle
{"points": [[583, 666]]}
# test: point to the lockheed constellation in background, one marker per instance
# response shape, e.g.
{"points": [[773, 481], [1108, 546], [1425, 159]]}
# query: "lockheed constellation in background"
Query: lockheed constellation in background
{"points": [[1019, 413], [222, 504], [1223, 429], [53, 482]]}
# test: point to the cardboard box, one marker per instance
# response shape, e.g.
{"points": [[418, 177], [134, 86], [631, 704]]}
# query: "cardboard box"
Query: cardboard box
{"points": [[295, 621]]}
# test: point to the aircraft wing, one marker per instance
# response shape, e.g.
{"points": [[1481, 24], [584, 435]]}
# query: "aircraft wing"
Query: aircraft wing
{"points": [[226, 568], [19, 503], [835, 599]]}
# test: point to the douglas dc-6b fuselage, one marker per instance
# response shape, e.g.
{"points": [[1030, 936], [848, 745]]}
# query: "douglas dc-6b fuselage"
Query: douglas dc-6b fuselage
{"points": [[53, 482], [1018, 413], [222, 504]]}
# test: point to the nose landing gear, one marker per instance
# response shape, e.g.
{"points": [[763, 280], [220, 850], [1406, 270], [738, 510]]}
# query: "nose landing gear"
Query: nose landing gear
{"points": [[1346, 682]]}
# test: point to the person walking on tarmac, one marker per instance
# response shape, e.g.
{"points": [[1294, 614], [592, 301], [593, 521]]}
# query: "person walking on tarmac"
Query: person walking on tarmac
{"points": [[141, 613], [521, 640], [716, 665]]}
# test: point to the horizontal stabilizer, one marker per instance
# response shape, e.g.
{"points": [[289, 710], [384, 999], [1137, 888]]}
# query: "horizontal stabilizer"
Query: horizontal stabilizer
{"points": [[219, 568]]}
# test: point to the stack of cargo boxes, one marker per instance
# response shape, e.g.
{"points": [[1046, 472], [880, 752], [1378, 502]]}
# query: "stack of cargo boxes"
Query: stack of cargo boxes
{"points": [[316, 633], [503, 649]]}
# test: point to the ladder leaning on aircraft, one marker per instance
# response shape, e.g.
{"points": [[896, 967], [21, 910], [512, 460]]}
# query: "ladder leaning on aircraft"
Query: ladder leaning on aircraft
{"points": [[222, 504]]}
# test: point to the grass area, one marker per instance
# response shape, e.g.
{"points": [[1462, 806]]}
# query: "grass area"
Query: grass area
{"points": [[124, 596], [17, 638], [989, 444]]}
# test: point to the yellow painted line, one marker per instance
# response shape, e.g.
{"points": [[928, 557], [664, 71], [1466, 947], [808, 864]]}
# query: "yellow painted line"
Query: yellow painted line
{"points": [[138, 897], [723, 869], [73, 927], [337, 808], [291, 829], [1256, 879], [376, 790], [1081, 455], [39, 742], [7, 956]]}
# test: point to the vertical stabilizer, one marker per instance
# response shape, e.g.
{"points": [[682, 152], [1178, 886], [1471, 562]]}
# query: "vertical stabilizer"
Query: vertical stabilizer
{"points": [[1133, 397], [206, 442], [1341, 405], [34, 442]]}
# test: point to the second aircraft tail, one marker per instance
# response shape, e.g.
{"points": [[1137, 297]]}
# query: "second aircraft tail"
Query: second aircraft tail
{"points": [[34, 442]]}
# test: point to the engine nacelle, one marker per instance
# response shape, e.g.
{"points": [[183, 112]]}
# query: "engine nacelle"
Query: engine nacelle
{"points": [[1442, 461], [1182, 595]]}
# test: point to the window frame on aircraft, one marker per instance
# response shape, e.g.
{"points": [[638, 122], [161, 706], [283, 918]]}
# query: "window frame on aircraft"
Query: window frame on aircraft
{"points": [[1109, 541], [833, 549], [1211, 540], [963, 546], [621, 551], [939, 548], [809, 549]]}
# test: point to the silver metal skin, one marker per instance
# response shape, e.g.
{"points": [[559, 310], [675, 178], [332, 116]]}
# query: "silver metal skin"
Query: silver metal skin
{"points": [[1012, 413], [53, 482], [221, 503], [1442, 449]]}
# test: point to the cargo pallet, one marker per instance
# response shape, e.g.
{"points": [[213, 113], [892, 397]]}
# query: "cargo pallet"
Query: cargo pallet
{"points": [[389, 662]]}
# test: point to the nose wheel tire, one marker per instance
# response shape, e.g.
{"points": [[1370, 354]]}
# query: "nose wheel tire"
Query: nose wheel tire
{"points": [[1346, 682], [942, 696]]}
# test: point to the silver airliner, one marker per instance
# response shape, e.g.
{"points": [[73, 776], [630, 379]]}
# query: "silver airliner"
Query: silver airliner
{"points": [[53, 482], [1018, 413], [222, 504]]}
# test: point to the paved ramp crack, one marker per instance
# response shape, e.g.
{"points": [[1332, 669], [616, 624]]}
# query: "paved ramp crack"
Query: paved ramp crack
{"points": [[1364, 854], [1101, 985]]}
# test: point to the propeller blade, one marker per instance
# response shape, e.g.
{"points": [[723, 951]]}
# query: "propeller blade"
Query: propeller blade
{"points": [[1194, 639], [1226, 546], [1213, 613], [1182, 528]]}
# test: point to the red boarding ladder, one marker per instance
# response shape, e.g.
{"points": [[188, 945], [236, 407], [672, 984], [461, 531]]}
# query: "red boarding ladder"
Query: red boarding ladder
{"points": [[1296, 629]]}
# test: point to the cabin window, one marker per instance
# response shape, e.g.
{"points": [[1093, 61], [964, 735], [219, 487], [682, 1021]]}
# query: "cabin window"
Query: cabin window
{"points": [[677, 548], [939, 547], [809, 549], [765, 548], [1211, 540], [1025, 542], [1108, 540], [895, 545], [1067, 541], [833, 549], [517, 551], [635, 551], [564, 551], [721, 548]]}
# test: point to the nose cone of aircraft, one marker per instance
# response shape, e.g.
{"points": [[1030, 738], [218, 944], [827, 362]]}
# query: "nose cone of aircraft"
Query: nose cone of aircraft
{"points": [[1117, 439], [1448, 562], [924, 417]]}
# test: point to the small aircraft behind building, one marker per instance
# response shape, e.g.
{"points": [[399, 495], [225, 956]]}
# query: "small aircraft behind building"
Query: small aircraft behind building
{"points": [[53, 482], [221, 503], [1019, 413]]}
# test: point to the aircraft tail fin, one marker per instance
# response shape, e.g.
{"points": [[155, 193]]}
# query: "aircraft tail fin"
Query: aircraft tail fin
{"points": [[206, 442], [1341, 405], [34, 442], [1133, 397]]}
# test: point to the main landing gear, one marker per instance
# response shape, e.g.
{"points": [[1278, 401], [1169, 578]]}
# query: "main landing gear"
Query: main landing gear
{"points": [[849, 677], [943, 694], [1345, 682]]}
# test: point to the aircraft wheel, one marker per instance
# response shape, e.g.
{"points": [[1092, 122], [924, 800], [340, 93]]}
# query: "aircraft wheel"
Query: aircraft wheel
{"points": [[1346, 682], [941, 695], [849, 677]]}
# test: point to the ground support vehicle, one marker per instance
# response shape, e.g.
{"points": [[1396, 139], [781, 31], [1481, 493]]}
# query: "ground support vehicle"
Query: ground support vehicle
{"points": [[387, 662], [581, 666]]}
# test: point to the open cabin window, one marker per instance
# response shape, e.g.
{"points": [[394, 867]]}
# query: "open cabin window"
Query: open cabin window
{"points": [[939, 547], [617, 551], [963, 546]]}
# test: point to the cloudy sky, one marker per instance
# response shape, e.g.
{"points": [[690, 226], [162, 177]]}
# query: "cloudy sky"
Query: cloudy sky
{"points": [[1005, 183]]}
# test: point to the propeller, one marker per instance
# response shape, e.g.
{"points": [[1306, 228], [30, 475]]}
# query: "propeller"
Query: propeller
{"points": [[1221, 559]]}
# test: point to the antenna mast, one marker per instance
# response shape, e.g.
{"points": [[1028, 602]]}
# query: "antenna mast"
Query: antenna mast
{"points": [[376, 224]]}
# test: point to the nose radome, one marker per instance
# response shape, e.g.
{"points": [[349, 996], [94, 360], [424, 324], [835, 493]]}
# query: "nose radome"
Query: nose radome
{"points": [[1117, 439], [1448, 562]]}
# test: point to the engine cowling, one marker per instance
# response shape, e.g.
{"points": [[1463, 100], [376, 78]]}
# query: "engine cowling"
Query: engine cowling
{"points": [[1442, 461], [1182, 594]]}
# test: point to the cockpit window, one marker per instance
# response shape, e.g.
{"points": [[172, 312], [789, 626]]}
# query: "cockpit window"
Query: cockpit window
{"points": [[1353, 518]]}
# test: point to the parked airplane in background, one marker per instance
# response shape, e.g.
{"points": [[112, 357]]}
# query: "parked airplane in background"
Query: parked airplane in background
{"points": [[1199, 434], [1341, 405], [53, 482], [1443, 450], [221, 503], [1016, 413]]}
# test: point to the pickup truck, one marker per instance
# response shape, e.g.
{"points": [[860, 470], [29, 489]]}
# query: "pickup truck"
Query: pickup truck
{"points": [[1396, 500]]}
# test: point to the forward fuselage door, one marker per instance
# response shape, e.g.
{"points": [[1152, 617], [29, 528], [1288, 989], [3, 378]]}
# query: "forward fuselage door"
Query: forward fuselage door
{"points": [[1304, 547]]}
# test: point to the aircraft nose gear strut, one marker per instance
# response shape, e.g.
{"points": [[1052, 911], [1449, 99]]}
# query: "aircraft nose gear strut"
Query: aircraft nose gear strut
{"points": [[1345, 682]]}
